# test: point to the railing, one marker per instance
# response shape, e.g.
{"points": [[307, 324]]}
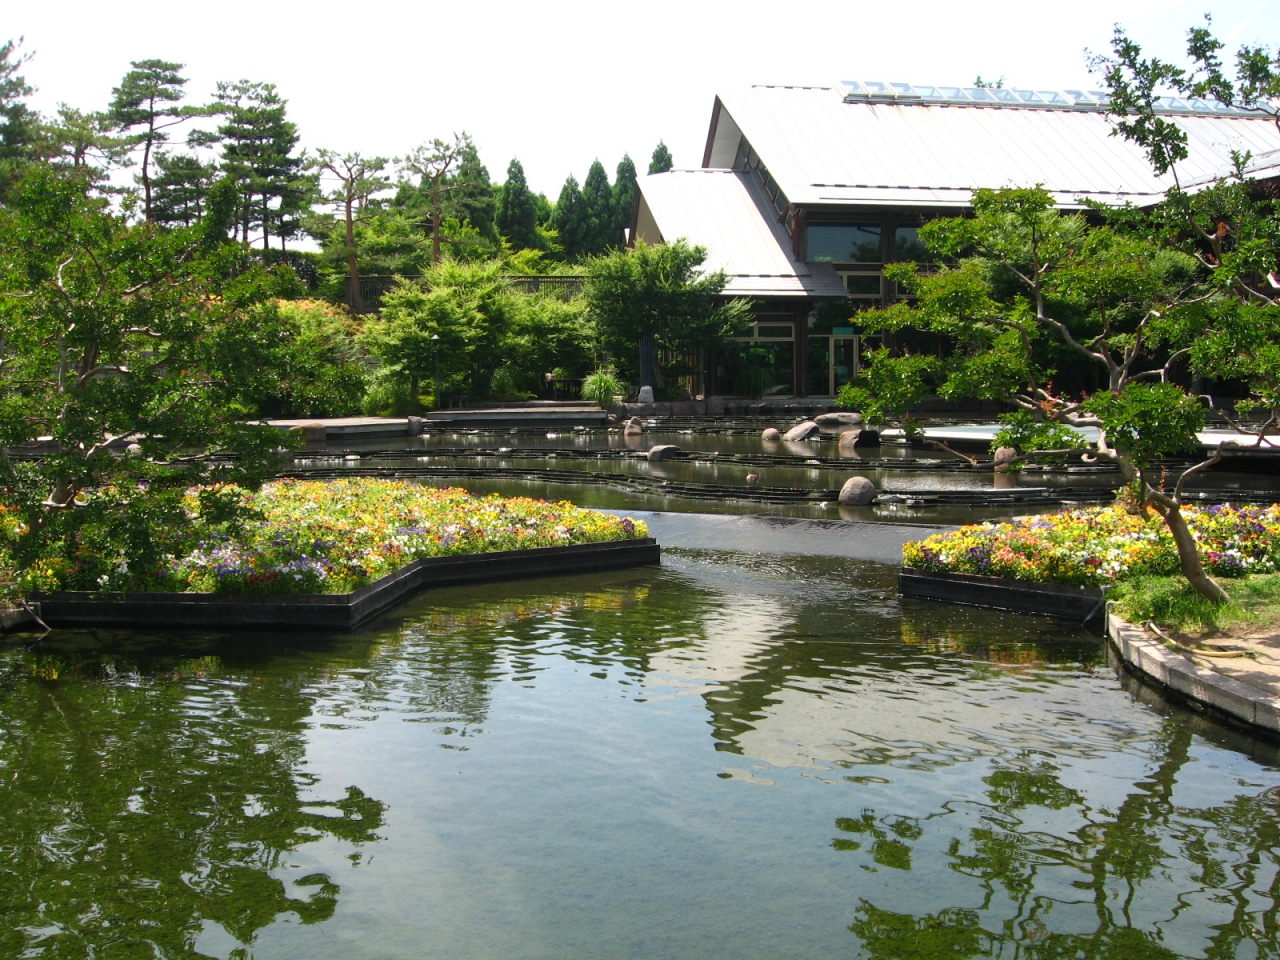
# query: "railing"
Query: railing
{"points": [[375, 287]]}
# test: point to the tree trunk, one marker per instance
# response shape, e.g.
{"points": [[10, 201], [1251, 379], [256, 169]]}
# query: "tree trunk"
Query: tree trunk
{"points": [[646, 361], [1188, 556], [414, 389], [436, 213], [355, 301]]}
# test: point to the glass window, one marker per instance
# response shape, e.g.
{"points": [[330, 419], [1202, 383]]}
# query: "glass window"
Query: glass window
{"points": [[903, 89], [1005, 96], [845, 243], [907, 245], [756, 368], [862, 284], [930, 92], [953, 93], [1028, 96], [980, 94], [1053, 96], [875, 87]]}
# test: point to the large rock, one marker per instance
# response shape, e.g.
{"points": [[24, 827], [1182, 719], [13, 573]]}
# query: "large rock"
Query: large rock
{"points": [[858, 437], [802, 431], [646, 395], [313, 434], [769, 433], [857, 492], [415, 426], [838, 421], [1005, 454], [634, 427], [663, 451]]}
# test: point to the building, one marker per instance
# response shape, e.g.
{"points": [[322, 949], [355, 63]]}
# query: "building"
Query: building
{"points": [[806, 192]]}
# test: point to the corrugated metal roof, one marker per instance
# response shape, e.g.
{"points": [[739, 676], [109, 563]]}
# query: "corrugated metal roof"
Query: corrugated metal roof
{"points": [[823, 150], [727, 213]]}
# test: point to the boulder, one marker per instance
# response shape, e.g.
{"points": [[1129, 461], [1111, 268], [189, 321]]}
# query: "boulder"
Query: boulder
{"points": [[313, 434], [858, 437], [715, 406], [611, 419], [838, 421], [634, 427], [1004, 453], [699, 407], [415, 426], [857, 492], [802, 431], [663, 451], [682, 408], [769, 433], [646, 395]]}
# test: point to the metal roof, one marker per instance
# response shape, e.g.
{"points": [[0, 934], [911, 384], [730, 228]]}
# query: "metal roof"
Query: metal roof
{"points": [[876, 91], [824, 149], [726, 212]]}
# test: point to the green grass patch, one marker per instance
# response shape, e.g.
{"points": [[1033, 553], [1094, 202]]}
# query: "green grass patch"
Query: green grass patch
{"points": [[1173, 603]]}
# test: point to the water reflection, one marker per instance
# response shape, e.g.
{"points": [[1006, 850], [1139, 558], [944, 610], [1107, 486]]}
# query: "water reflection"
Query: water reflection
{"points": [[144, 801], [733, 755]]}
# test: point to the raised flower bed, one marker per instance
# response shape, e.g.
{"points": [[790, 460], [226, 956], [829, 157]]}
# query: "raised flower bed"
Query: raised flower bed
{"points": [[1032, 563], [335, 553]]}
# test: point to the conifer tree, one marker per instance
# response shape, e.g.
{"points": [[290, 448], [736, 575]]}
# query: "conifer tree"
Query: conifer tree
{"points": [[598, 210], [147, 101], [624, 191], [661, 161], [18, 123], [179, 189], [474, 201], [518, 210], [570, 219], [258, 143]]}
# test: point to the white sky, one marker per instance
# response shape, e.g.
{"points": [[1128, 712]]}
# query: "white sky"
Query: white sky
{"points": [[559, 83]]}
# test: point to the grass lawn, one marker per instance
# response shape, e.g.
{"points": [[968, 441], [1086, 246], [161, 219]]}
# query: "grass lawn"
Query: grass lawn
{"points": [[1172, 603], [335, 536]]}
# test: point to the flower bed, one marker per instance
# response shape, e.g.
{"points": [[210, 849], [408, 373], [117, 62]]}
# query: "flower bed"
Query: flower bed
{"points": [[337, 536], [1100, 546]]}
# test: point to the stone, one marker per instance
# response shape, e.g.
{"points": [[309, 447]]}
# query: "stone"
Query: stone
{"points": [[770, 434], [837, 421], [715, 406], [663, 451], [611, 419], [683, 408], [1004, 453], [662, 409], [646, 395], [634, 427], [859, 437], [415, 426], [857, 492], [313, 434], [802, 431]]}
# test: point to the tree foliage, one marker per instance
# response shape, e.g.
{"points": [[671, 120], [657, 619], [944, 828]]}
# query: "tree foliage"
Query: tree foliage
{"points": [[661, 160]]}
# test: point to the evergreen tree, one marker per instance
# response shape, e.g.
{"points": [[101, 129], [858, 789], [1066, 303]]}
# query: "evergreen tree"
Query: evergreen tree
{"points": [[258, 143], [570, 219], [147, 101], [518, 210], [661, 161], [474, 201], [624, 191], [597, 202], [179, 188], [18, 123], [83, 138]]}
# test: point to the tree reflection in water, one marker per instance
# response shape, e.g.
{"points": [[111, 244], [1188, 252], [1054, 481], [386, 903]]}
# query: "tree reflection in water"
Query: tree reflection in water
{"points": [[1223, 863], [140, 801]]}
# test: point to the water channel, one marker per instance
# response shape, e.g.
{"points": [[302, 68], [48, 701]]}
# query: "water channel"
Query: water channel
{"points": [[754, 750]]}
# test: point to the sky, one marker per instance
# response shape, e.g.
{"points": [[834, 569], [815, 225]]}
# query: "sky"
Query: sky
{"points": [[560, 83]]}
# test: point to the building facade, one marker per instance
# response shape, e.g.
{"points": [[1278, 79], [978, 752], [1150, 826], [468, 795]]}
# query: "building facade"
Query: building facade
{"points": [[805, 193]]}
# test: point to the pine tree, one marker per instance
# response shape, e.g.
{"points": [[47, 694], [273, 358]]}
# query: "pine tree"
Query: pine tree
{"points": [[518, 210], [18, 124], [147, 100], [597, 201], [258, 143], [474, 201], [570, 219], [624, 191], [179, 188], [661, 161]]}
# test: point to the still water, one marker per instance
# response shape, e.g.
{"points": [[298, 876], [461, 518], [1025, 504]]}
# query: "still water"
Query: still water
{"points": [[738, 754]]}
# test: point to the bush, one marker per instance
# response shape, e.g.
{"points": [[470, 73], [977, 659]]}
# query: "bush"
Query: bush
{"points": [[602, 387]]}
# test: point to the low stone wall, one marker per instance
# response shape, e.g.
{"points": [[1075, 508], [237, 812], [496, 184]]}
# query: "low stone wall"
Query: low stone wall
{"points": [[1081, 604], [338, 611], [1199, 686]]}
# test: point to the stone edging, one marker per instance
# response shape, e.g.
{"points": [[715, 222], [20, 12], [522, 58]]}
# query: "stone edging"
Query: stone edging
{"points": [[341, 611], [1203, 687], [1083, 604]]}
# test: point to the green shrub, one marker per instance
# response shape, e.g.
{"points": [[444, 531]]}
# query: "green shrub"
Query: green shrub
{"points": [[602, 387]]}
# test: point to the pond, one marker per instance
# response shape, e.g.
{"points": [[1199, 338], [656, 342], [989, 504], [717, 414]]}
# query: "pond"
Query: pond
{"points": [[755, 750]]}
